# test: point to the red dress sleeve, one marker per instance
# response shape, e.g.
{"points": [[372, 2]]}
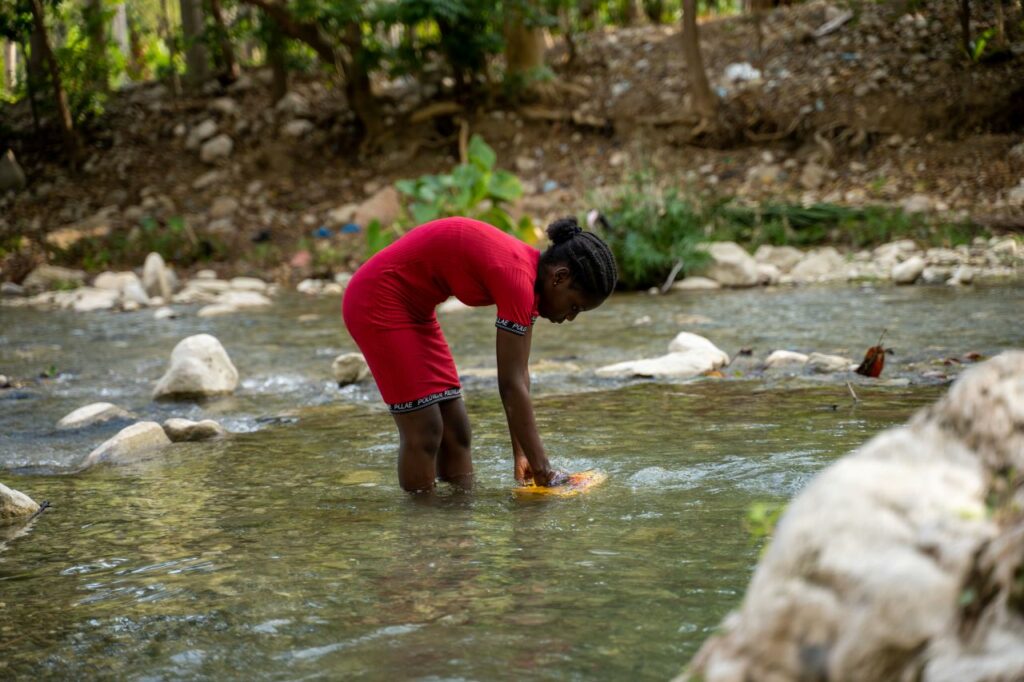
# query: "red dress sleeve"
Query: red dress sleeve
{"points": [[513, 293]]}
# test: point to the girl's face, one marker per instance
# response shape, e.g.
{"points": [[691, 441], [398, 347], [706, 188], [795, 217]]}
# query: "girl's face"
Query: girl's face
{"points": [[559, 301]]}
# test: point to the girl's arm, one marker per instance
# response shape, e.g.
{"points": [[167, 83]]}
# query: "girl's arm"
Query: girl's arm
{"points": [[513, 353]]}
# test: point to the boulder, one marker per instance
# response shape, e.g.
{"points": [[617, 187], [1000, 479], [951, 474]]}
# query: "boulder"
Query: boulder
{"points": [[293, 105], [768, 274], [900, 561], [46, 277], [92, 414], [824, 364], [217, 148], [113, 281], [297, 128], [199, 367], [180, 430], [350, 368], [87, 299], [908, 271], [964, 274], [730, 265], [225, 106], [689, 355], [819, 265], [201, 133], [893, 252], [786, 358], [157, 278], [15, 505], [782, 257], [12, 178], [248, 284], [130, 443], [695, 284], [385, 206]]}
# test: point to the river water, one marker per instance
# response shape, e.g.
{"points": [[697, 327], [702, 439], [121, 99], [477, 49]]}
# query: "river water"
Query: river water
{"points": [[288, 551]]}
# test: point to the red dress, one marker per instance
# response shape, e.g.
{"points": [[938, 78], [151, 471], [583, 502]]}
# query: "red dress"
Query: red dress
{"points": [[389, 303]]}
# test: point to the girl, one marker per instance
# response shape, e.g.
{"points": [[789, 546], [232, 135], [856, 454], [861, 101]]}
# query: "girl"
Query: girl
{"points": [[389, 311]]}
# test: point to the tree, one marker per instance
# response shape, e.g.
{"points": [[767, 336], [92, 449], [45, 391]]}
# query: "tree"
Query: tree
{"points": [[95, 26], [228, 63], [10, 65], [705, 103], [72, 146], [197, 58], [524, 39]]}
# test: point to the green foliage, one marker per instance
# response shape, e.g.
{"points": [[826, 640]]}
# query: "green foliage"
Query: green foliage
{"points": [[762, 518], [475, 189], [377, 238], [651, 233], [979, 44]]}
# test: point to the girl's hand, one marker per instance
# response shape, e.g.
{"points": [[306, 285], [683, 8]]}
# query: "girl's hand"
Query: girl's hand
{"points": [[524, 474], [551, 478]]}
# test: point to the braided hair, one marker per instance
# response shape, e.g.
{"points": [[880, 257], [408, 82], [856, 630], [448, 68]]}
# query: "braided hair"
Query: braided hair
{"points": [[588, 258]]}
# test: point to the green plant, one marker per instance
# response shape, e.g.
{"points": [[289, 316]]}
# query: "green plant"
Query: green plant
{"points": [[762, 518]]}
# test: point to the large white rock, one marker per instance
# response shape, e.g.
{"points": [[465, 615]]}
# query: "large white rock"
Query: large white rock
{"points": [[730, 265], [824, 363], [909, 270], [689, 355], [350, 368], [891, 565], [15, 505], [199, 367], [135, 441], [782, 257], [819, 265], [217, 148], [89, 415], [87, 299], [179, 430], [786, 358], [157, 278]]}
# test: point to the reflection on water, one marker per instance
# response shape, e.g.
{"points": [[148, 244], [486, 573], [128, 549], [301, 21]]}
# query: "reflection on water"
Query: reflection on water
{"points": [[288, 551]]}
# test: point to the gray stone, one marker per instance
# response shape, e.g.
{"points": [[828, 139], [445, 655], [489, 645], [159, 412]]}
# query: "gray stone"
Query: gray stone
{"points": [[689, 355], [908, 271], [891, 564], [11, 290], [918, 203], [225, 106], [963, 275], [384, 206], [46, 277], [131, 443], [248, 284], [824, 364], [812, 176], [199, 134], [786, 358], [12, 178], [87, 299], [199, 367], [223, 207], [297, 128], [695, 284], [731, 265], [180, 430], [15, 505], [768, 274], [92, 414], [208, 179], [293, 105], [819, 265], [157, 278], [216, 149], [782, 257], [350, 368]]}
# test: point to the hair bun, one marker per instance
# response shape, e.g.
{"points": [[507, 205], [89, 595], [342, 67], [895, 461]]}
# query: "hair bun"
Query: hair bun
{"points": [[563, 229]]}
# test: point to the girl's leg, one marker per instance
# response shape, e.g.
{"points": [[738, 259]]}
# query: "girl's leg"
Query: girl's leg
{"points": [[419, 440], [454, 463]]}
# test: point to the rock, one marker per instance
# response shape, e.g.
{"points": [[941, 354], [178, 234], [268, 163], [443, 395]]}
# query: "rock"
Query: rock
{"points": [[11, 290], [825, 364], [918, 203], [180, 430], [202, 132], [223, 207], [936, 274], [782, 257], [764, 175], [12, 178], [819, 265], [298, 127], [92, 414], [208, 179], [908, 271], [47, 277], [731, 265], [216, 149], [131, 443], [525, 164], [350, 368], [243, 83], [898, 561], [768, 274], [695, 284], [293, 105], [894, 251], [248, 284], [812, 176], [964, 274], [15, 505], [157, 278], [113, 281], [232, 301], [341, 215], [452, 305], [165, 313], [225, 106], [199, 367], [689, 355], [1015, 195], [385, 206], [786, 358], [87, 299]]}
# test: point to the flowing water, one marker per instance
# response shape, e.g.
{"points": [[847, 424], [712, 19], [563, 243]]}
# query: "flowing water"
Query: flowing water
{"points": [[288, 552]]}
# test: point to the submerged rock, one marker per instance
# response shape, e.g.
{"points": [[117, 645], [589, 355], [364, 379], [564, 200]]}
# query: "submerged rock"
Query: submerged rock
{"points": [[15, 505], [900, 561], [350, 368], [179, 430], [130, 443], [94, 413], [199, 367]]}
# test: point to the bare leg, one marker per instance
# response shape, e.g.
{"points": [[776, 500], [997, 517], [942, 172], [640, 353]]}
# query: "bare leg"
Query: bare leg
{"points": [[419, 440], [454, 462]]}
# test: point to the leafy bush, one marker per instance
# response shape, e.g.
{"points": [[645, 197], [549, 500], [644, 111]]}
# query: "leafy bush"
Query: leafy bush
{"points": [[174, 240], [475, 189]]}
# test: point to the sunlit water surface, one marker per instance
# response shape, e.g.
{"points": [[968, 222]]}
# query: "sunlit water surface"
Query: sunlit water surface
{"points": [[288, 552]]}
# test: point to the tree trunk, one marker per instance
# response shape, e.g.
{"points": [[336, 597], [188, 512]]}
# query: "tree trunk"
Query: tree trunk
{"points": [[67, 126], [704, 101], [276, 58], [196, 57], [227, 51], [627, 12], [119, 29], [524, 44], [357, 83], [31, 80], [10, 65], [136, 52], [1000, 25], [172, 46], [965, 25], [654, 9], [95, 26]]}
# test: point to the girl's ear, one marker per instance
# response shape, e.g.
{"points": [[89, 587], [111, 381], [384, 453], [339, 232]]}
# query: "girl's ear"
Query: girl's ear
{"points": [[561, 274]]}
